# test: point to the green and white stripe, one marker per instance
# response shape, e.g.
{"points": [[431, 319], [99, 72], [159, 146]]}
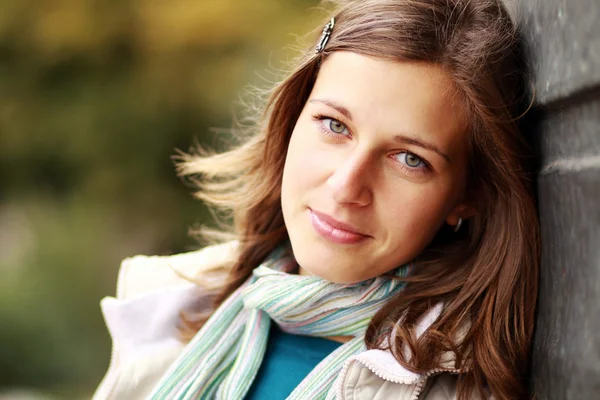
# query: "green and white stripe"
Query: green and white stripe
{"points": [[223, 358]]}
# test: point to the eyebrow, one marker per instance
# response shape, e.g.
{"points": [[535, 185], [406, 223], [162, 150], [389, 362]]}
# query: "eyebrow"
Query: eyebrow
{"points": [[339, 108], [397, 138], [417, 142]]}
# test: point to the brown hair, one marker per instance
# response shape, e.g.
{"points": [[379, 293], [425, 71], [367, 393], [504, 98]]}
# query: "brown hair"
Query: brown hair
{"points": [[486, 276]]}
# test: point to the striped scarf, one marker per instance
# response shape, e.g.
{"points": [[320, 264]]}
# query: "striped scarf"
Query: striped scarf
{"points": [[223, 358]]}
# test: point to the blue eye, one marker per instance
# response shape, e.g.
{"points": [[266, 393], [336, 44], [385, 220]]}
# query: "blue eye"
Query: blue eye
{"points": [[410, 160], [335, 126]]}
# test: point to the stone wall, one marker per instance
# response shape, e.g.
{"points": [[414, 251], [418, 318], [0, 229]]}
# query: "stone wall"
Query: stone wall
{"points": [[562, 40]]}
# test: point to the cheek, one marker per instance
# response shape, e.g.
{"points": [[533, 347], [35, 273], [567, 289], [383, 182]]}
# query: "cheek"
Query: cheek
{"points": [[417, 214], [304, 167]]}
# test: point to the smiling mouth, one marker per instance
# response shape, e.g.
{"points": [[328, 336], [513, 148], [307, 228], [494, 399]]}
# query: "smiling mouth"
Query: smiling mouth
{"points": [[334, 230]]}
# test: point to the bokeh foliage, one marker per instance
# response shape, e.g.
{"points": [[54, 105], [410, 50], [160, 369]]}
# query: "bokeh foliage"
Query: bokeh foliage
{"points": [[95, 98]]}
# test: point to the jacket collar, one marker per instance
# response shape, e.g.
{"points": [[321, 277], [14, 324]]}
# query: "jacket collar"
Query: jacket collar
{"points": [[383, 364]]}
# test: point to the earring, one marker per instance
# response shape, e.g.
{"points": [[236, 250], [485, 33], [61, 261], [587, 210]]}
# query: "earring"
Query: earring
{"points": [[458, 224]]}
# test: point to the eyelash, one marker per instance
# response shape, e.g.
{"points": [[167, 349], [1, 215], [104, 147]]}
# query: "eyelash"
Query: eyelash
{"points": [[319, 118]]}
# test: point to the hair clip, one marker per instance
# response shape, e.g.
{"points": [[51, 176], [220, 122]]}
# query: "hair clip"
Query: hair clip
{"points": [[325, 35]]}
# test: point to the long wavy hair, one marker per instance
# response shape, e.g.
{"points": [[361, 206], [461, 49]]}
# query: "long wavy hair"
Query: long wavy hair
{"points": [[486, 276]]}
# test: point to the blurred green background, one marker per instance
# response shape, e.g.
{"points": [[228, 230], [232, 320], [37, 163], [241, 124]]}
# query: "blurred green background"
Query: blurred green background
{"points": [[95, 96]]}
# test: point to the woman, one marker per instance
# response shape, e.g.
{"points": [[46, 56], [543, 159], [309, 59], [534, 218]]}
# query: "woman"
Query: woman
{"points": [[383, 220]]}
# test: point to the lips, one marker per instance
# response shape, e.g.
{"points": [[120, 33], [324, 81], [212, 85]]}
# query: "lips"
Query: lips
{"points": [[336, 231]]}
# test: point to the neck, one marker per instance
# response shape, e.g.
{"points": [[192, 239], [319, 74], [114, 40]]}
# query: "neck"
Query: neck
{"points": [[303, 272], [340, 339]]}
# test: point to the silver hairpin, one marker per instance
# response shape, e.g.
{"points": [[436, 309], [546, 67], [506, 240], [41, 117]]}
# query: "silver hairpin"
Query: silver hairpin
{"points": [[325, 35]]}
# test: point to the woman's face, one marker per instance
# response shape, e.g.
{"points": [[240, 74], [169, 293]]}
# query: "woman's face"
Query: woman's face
{"points": [[375, 165]]}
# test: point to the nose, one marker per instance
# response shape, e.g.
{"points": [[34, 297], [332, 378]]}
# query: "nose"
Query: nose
{"points": [[350, 181]]}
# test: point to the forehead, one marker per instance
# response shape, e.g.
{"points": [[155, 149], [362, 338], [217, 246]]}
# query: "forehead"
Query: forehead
{"points": [[418, 99]]}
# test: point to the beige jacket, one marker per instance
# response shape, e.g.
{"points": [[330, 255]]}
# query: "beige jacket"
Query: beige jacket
{"points": [[142, 321]]}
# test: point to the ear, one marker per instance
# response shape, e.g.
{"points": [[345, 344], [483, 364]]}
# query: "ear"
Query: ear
{"points": [[462, 210]]}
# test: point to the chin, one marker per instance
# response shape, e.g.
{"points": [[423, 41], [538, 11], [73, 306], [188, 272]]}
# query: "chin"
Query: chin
{"points": [[331, 270], [333, 277], [332, 262]]}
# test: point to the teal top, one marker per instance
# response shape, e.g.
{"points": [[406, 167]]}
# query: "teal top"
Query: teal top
{"points": [[288, 359]]}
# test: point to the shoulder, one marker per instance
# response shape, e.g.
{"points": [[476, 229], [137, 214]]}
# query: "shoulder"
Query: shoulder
{"points": [[142, 319], [444, 387], [440, 387], [376, 373], [141, 274], [362, 383]]}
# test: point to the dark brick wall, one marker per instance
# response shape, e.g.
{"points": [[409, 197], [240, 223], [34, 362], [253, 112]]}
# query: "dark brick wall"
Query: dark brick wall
{"points": [[562, 38]]}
